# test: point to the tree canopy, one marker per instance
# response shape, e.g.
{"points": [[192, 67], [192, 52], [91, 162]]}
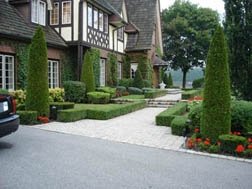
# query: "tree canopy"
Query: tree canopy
{"points": [[187, 31]]}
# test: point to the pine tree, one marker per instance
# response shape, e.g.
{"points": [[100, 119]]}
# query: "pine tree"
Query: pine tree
{"points": [[87, 73], [37, 77], [216, 118], [138, 80]]}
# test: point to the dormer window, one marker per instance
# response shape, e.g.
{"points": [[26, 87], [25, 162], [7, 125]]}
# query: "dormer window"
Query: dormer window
{"points": [[38, 12]]}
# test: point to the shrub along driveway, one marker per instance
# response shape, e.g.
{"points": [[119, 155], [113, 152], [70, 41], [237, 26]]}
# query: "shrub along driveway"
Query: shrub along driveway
{"points": [[134, 128]]}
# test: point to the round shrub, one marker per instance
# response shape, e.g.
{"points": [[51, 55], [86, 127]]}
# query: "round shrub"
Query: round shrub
{"points": [[228, 143], [195, 115], [178, 125], [126, 82], [28, 117], [147, 83], [74, 91], [134, 90], [120, 90], [198, 83], [98, 97], [110, 90]]}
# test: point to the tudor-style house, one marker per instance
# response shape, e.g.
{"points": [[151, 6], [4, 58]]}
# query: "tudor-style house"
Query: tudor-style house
{"points": [[72, 27]]}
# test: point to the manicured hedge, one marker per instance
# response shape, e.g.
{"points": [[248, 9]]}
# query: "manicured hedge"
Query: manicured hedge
{"points": [[154, 93], [98, 97], [228, 143], [110, 90], [70, 115], [134, 90], [178, 125], [165, 118], [62, 105], [27, 117], [190, 94], [75, 91], [97, 111]]}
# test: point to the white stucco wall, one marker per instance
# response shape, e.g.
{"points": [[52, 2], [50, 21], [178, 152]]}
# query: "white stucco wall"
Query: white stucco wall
{"points": [[66, 33]]}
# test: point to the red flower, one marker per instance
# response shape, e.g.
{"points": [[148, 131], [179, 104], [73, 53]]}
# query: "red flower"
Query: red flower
{"points": [[240, 148], [250, 146], [198, 140], [190, 143], [250, 140], [196, 130], [43, 119], [207, 142]]}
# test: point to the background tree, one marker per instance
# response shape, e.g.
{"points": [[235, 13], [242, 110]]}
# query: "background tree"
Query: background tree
{"points": [[170, 81], [238, 26], [187, 33], [87, 73], [37, 77], [216, 116]]}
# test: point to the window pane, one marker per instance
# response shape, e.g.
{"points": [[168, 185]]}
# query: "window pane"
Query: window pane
{"points": [[119, 70], [7, 72], [101, 21], [95, 18], [102, 72], [34, 11], [90, 16], [66, 12], [105, 23], [53, 74], [120, 33], [54, 19], [42, 15]]}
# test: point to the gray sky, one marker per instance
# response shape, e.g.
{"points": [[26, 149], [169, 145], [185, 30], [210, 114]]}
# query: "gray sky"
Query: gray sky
{"points": [[213, 4]]}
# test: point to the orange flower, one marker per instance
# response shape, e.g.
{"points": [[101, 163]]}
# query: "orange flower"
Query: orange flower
{"points": [[239, 148], [190, 143], [250, 146], [198, 140], [207, 142], [196, 130]]}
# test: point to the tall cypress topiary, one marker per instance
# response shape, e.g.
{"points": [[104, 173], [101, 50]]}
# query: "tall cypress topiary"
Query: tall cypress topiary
{"points": [[170, 81], [87, 73], [37, 76], [95, 54], [165, 80], [138, 80], [216, 118]]}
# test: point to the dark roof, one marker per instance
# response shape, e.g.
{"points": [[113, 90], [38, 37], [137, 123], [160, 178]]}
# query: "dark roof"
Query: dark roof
{"points": [[12, 24], [105, 4], [117, 4], [143, 14], [159, 62]]}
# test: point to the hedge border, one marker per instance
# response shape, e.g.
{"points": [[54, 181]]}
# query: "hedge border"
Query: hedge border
{"points": [[190, 94]]}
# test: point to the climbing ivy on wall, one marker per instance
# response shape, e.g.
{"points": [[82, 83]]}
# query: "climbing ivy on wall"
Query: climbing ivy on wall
{"points": [[67, 64], [145, 67], [126, 67], [112, 70]]}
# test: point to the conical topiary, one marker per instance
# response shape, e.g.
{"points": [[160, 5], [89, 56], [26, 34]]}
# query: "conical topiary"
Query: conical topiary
{"points": [[37, 93], [216, 118], [87, 73], [170, 81], [138, 80], [165, 80]]}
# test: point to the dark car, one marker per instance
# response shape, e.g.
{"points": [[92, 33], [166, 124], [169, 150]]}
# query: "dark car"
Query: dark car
{"points": [[9, 121]]}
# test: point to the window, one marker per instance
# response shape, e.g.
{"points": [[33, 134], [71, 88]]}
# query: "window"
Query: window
{"points": [[102, 72], [101, 21], [66, 12], [38, 12], [6, 72], [133, 68], [95, 18], [54, 19], [119, 70], [90, 16], [53, 73], [120, 33], [105, 23]]}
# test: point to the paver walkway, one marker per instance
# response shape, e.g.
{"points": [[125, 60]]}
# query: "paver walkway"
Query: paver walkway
{"points": [[134, 128]]}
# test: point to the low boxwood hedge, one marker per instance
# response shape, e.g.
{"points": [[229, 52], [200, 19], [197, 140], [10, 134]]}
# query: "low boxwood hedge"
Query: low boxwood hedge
{"points": [[134, 90], [165, 118], [190, 94], [111, 91], [70, 115], [98, 97], [178, 125], [154, 93], [62, 105], [28, 117], [228, 143]]}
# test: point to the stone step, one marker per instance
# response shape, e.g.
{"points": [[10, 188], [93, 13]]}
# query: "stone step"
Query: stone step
{"points": [[161, 103], [159, 106]]}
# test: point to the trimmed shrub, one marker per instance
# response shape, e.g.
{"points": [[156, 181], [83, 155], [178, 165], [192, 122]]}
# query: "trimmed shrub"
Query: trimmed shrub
{"points": [[134, 90], [178, 125], [95, 59], [4, 91], [56, 95], [187, 94], [87, 73], [111, 91], [28, 117], [154, 93], [62, 105], [37, 93], [228, 143], [147, 83], [112, 71], [195, 116], [165, 118], [198, 83], [126, 82], [126, 67], [165, 80], [75, 91], [170, 81], [71, 115], [19, 95], [138, 80], [98, 97], [120, 90], [216, 117]]}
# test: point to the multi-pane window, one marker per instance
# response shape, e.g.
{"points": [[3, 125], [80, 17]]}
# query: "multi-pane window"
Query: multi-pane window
{"points": [[90, 16], [6, 72], [53, 73], [101, 21], [54, 18], [95, 18], [120, 33], [119, 70], [105, 23], [38, 12], [66, 12], [102, 72]]}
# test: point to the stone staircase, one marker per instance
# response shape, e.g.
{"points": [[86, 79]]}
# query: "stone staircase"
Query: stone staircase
{"points": [[161, 103], [174, 91]]}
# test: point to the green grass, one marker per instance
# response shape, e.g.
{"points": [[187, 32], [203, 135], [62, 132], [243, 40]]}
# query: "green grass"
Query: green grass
{"points": [[133, 97]]}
